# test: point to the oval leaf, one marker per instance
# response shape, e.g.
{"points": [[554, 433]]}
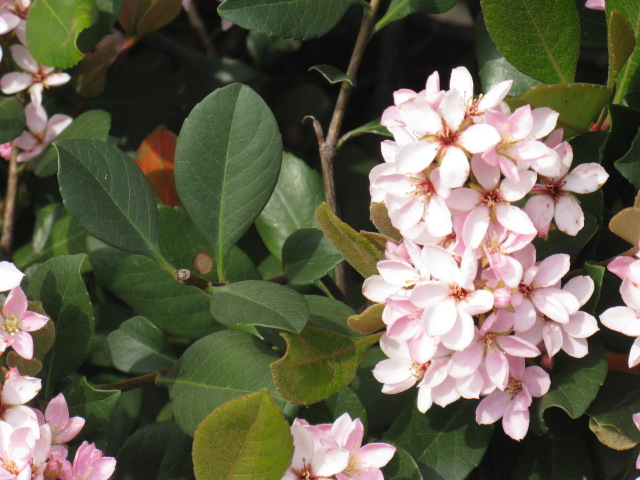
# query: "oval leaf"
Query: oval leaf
{"points": [[106, 192], [401, 8], [259, 303], [627, 80], [155, 158], [618, 400], [621, 42], [369, 321], [246, 438], [626, 225], [541, 39], [333, 75], [12, 119], [318, 363], [53, 28], [307, 256], [227, 164], [92, 404]]}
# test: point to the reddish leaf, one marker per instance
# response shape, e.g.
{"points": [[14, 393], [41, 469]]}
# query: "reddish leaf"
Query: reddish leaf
{"points": [[155, 159]]}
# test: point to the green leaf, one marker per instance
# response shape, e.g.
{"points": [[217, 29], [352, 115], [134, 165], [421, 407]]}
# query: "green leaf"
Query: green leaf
{"points": [[58, 284], [575, 382], [307, 256], [369, 321], [158, 451], [227, 163], [619, 398], [628, 78], [626, 225], [611, 437], [259, 303], [402, 8], [629, 164], [494, 68], [293, 204], [327, 411], [329, 314], [153, 292], [138, 347], [370, 127], [214, 370], [318, 363], [53, 28], [141, 17], [12, 119], [298, 19], [578, 104], [596, 272], [447, 443], [91, 125], [333, 75], [559, 242], [247, 438], [402, 467], [541, 39], [107, 15], [105, 191], [90, 403], [621, 42], [357, 250]]}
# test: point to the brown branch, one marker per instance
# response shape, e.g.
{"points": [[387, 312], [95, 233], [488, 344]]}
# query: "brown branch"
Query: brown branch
{"points": [[135, 382], [6, 240], [186, 277]]}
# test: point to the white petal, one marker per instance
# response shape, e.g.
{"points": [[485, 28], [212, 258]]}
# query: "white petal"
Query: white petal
{"points": [[621, 319], [479, 138], [585, 178], [568, 216]]}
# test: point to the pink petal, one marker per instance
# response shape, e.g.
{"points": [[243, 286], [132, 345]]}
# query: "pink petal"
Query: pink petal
{"points": [[620, 266], [440, 317], [56, 125], [514, 191], [497, 368], [487, 175], [36, 118], [453, 109], [517, 347], [551, 270], [525, 316], [569, 217], [416, 156], [23, 58], [634, 353], [575, 347], [537, 381], [464, 363], [328, 461], [19, 390], [463, 199], [23, 345], [621, 319], [516, 423], [479, 138], [454, 169], [35, 92], [56, 79], [26, 142], [514, 219], [479, 301], [16, 303], [495, 95], [10, 276], [375, 455], [492, 408], [552, 335], [580, 287], [57, 411], [376, 289], [32, 321], [540, 209], [581, 325], [475, 226], [420, 117], [14, 82], [585, 178], [462, 82], [555, 304], [544, 121], [438, 218]]}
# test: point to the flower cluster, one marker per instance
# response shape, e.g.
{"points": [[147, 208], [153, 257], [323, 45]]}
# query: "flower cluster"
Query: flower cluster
{"points": [[335, 451], [469, 185]]}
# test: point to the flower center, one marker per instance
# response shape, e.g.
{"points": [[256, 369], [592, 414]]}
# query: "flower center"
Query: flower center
{"points": [[491, 199], [11, 324], [514, 387], [458, 293], [526, 290], [418, 369], [422, 186], [489, 340], [10, 466], [554, 190]]}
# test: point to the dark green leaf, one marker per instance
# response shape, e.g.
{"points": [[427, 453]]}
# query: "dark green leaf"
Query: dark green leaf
{"points": [[307, 256], [401, 8], [559, 242], [12, 119], [214, 370], [333, 75], [90, 403], [629, 77], [141, 17], [91, 125], [327, 411], [159, 451], [629, 164], [139, 347], [329, 314], [370, 127], [58, 284], [402, 467], [292, 205], [596, 272], [299, 19], [447, 443], [107, 15], [618, 399], [621, 41], [318, 363], [53, 28], [247, 438], [105, 191], [259, 303], [227, 164], [541, 39]]}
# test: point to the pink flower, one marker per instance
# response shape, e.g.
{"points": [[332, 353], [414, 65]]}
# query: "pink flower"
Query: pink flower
{"points": [[636, 421], [14, 393], [16, 321], [42, 131], [63, 428], [89, 464], [35, 77], [15, 452], [595, 5], [13, 15], [10, 276], [512, 404]]}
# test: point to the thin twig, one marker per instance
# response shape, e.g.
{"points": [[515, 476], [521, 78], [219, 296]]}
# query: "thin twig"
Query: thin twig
{"points": [[10, 206], [135, 382], [199, 26]]}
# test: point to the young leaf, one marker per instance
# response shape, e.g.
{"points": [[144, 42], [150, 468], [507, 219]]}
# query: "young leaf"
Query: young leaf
{"points": [[370, 127], [90, 403], [402, 8], [298, 19], [611, 437], [141, 17], [307, 256], [369, 321], [214, 370], [138, 347], [227, 164], [246, 438], [446, 443], [91, 75], [618, 399], [621, 41], [357, 250], [108, 195], [333, 75], [155, 158], [293, 204], [541, 39], [53, 28], [628, 80], [380, 218], [626, 225], [58, 284], [318, 363], [12, 119], [260, 303]]}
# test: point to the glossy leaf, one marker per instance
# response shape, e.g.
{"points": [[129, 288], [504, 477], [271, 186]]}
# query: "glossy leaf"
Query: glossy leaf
{"points": [[626, 225], [318, 363], [90, 403], [628, 80], [575, 382], [307, 256], [617, 401], [107, 15], [141, 17], [107, 194], [259, 303], [578, 104], [246, 438], [333, 75], [227, 164], [155, 158], [91, 75], [327, 411], [91, 125], [541, 39], [58, 284], [357, 250], [559, 242], [628, 165], [370, 127], [369, 321], [299, 19], [621, 42], [329, 314], [447, 443], [398, 9], [12, 119], [214, 370], [138, 347], [402, 467], [596, 272], [53, 28]]}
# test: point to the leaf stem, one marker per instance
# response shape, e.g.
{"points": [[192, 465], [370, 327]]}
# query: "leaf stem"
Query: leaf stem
{"points": [[135, 382], [6, 239]]}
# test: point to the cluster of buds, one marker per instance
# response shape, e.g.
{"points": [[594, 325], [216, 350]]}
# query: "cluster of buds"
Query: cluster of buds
{"points": [[466, 300], [334, 451]]}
